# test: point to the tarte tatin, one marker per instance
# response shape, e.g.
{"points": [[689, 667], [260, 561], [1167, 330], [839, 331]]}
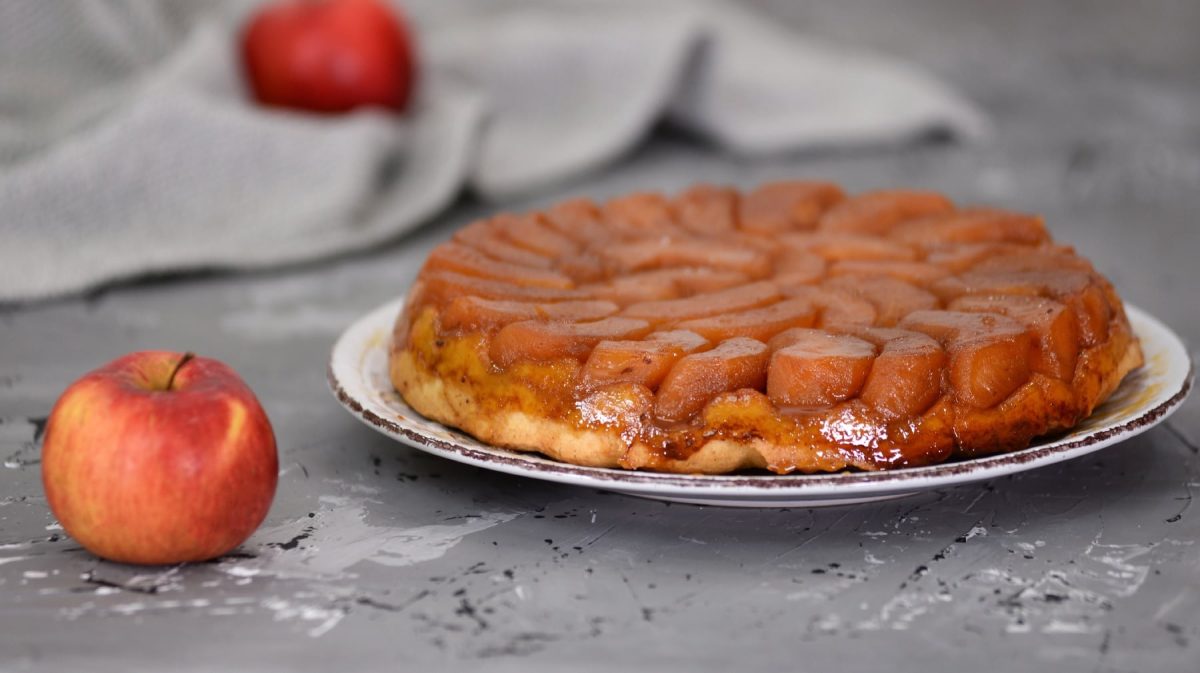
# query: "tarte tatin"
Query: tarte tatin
{"points": [[793, 328]]}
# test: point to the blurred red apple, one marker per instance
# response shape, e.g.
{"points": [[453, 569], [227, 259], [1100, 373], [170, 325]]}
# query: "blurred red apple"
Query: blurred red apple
{"points": [[159, 457], [329, 55]]}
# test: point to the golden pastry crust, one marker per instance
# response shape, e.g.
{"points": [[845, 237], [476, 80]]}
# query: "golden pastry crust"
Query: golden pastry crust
{"points": [[790, 329]]}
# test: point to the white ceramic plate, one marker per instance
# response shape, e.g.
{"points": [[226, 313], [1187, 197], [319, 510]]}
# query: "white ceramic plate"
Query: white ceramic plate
{"points": [[358, 378]]}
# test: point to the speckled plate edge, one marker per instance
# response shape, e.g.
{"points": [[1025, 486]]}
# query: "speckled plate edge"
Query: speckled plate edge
{"points": [[357, 375]]}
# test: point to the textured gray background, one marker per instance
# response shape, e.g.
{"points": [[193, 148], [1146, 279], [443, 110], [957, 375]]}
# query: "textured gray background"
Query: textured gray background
{"points": [[378, 557]]}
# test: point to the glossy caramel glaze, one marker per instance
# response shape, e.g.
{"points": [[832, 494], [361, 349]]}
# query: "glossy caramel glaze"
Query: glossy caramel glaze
{"points": [[791, 328]]}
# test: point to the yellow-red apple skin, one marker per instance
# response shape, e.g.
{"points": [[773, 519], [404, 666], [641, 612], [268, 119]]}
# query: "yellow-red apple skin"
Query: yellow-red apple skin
{"points": [[153, 476]]}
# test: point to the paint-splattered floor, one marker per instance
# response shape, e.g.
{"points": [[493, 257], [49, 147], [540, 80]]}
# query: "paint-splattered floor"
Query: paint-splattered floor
{"points": [[378, 557]]}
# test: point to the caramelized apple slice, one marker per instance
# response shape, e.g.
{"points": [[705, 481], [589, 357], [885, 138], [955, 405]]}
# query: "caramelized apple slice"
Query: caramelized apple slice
{"points": [[476, 313], [543, 340], [626, 408], [1094, 311], [697, 378], [877, 212], [742, 239], [837, 247], [1048, 258], [583, 268], [690, 342], [989, 354], [834, 305], [639, 215], [798, 267], [703, 280], [906, 377], [671, 311], [665, 252], [707, 210], [1053, 323], [788, 337], [973, 225], [1031, 283], [487, 238], [643, 362], [440, 287], [892, 298], [664, 284], [960, 258], [1075, 288], [637, 287], [469, 261], [974, 283], [918, 273], [817, 369], [581, 221], [756, 323], [780, 206], [530, 231]]}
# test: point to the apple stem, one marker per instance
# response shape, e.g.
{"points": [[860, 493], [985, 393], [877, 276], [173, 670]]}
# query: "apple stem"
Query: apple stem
{"points": [[187, 357]]}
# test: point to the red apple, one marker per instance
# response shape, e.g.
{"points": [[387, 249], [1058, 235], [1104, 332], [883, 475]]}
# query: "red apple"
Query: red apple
{"points": [[329, 55], [159, 457]]}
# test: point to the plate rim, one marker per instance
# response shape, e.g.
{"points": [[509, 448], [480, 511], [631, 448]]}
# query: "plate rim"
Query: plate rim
{"points": [[848, 484]]}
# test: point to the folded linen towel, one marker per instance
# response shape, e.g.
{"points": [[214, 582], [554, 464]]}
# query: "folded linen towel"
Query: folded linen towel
{"points": [[128, 143]]}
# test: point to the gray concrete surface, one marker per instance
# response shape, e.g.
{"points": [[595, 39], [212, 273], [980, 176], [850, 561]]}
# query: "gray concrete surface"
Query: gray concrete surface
{"points": [[378, 557]]}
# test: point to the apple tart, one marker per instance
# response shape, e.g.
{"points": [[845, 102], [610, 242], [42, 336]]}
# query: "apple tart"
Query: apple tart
{"points": [[792, 328]]}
